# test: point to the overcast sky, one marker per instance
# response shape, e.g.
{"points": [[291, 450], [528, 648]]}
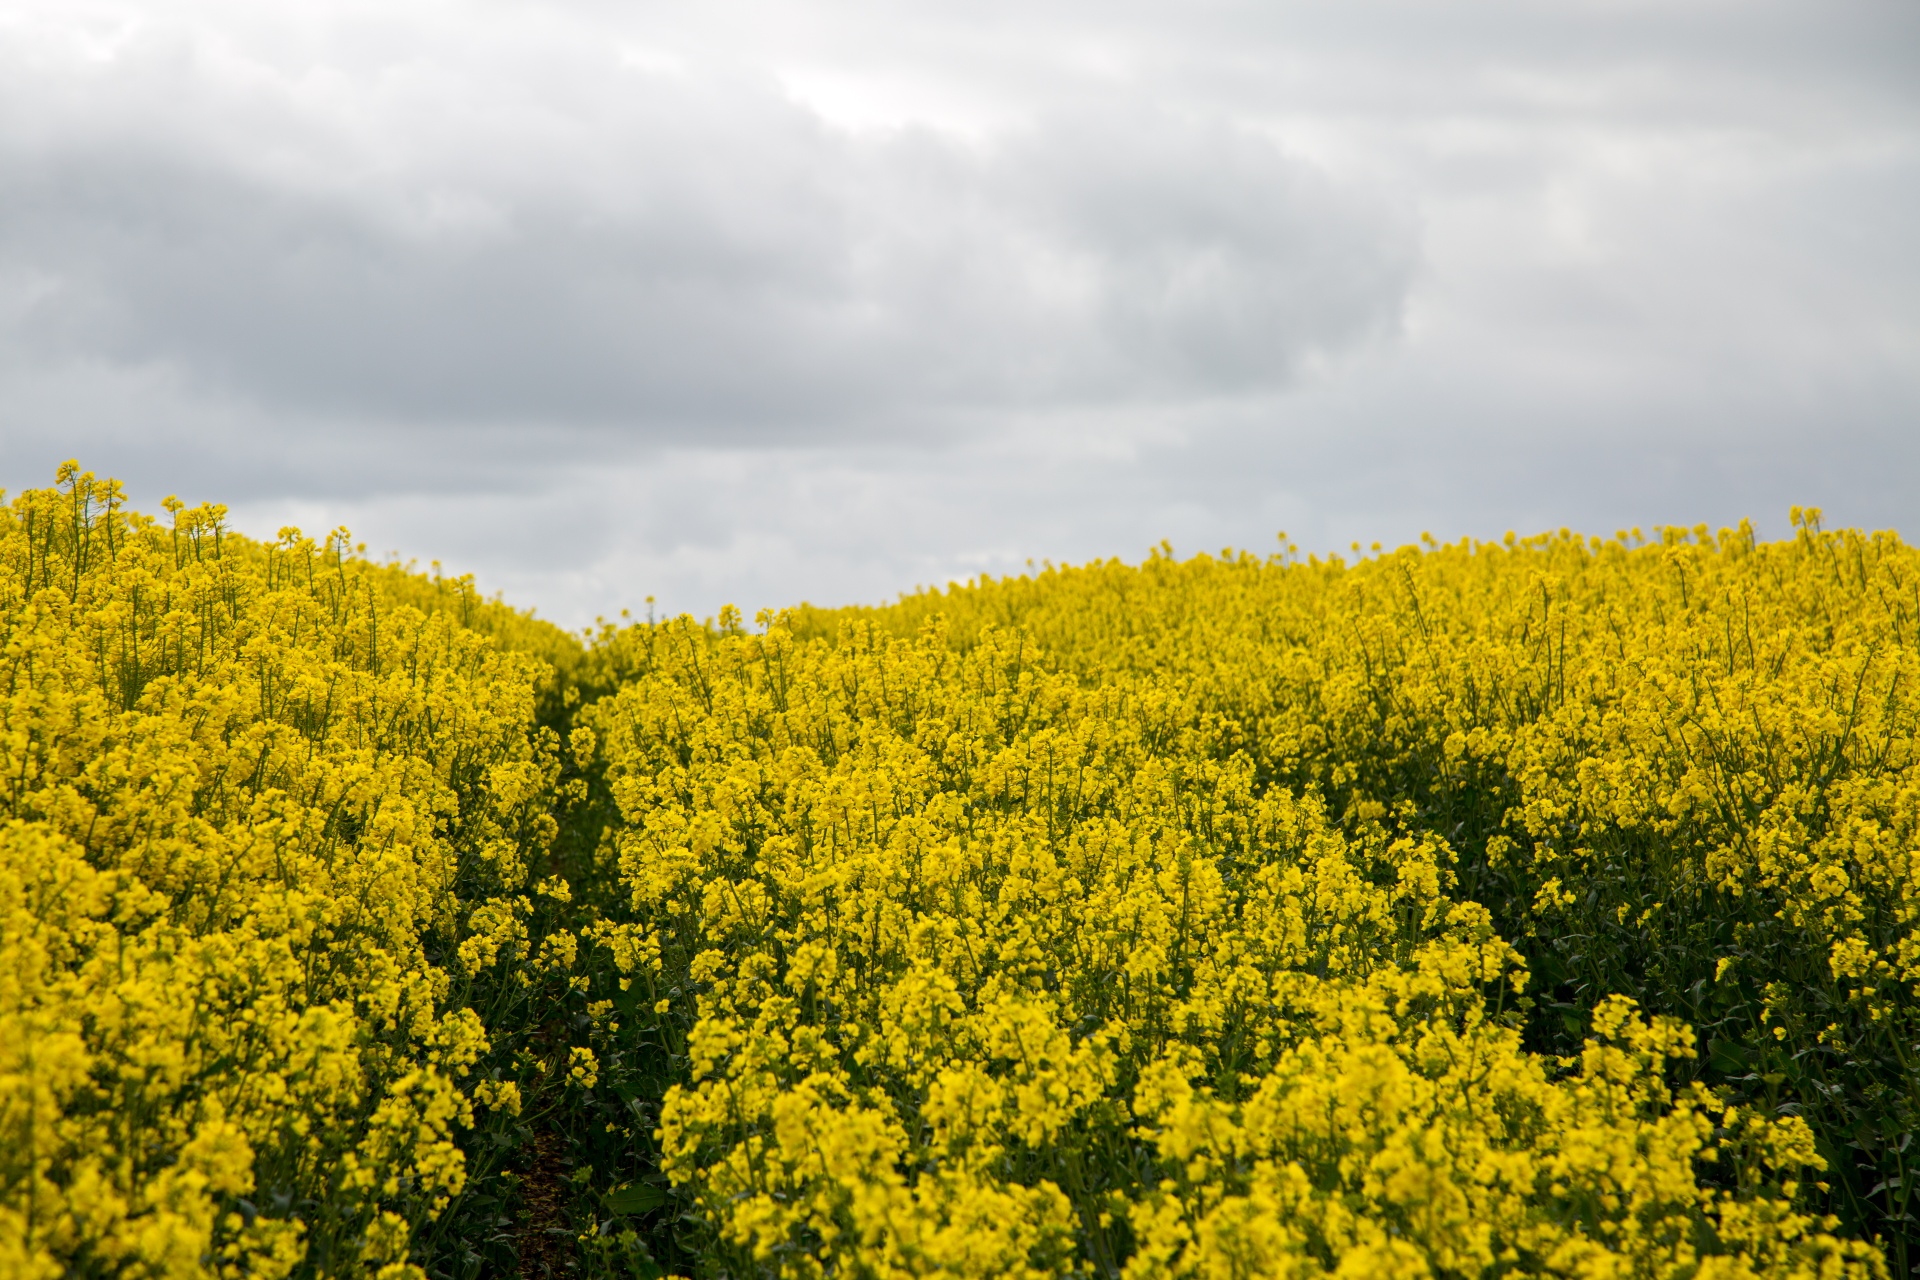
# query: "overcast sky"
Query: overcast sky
{"points": [[755, 302]]}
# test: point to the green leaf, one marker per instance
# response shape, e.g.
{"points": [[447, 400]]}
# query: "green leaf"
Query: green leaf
{"points": [[635, 1198], [1728, 1056]]}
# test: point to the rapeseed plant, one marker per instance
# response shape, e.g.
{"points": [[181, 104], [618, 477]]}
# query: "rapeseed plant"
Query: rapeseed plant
{"points": [[266, 819], [987, 968], [1541, 907]]}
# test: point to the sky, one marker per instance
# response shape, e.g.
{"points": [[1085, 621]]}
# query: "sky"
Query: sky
{"points": [[742, 302]]}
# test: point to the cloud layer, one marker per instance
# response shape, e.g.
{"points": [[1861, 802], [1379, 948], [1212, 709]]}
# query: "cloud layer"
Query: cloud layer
{"points": [[677, 257], [751, 301]]}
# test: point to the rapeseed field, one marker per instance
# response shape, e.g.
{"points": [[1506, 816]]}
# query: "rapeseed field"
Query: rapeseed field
{"points": [[1538, 907]]}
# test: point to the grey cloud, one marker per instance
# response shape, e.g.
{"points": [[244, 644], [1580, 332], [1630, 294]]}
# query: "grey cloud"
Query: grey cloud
{"points": [[614, 299], [1220, 266], [700, 261]]}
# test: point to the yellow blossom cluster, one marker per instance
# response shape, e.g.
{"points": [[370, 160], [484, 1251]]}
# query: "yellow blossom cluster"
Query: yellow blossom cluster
{"points": [[265, 814], [1684, 769], [1542, 907], [1003, 948]]}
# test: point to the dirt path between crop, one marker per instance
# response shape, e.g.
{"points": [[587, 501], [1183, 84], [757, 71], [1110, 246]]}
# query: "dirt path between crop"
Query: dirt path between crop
{"points": [[545, 1245]]}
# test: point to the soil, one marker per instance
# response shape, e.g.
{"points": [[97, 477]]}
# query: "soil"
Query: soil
{"points": [[545, 1245]]}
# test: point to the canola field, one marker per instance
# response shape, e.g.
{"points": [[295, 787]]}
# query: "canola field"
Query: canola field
{"points": [[1541, 907]]}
